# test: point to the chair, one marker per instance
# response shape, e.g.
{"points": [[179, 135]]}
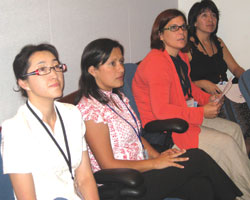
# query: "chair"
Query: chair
{"points": [[6, 191], [158, 132]]}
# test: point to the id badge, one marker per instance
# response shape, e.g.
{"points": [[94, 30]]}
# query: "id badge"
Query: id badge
{"points": [[145, 154], [191, 102]]}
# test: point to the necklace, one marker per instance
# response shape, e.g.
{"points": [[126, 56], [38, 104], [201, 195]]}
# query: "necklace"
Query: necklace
{"points": [[203, 47]]}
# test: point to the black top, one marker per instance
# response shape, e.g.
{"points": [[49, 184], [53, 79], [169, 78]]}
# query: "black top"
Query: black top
{"points": [[205, 67]]}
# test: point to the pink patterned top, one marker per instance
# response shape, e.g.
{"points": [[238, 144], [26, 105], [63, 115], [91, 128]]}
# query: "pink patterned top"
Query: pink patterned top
{"points": [[124, 141]]}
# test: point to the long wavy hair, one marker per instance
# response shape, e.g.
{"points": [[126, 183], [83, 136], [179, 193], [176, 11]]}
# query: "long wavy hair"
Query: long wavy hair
{"points": [[95, 54], [195, 11]]}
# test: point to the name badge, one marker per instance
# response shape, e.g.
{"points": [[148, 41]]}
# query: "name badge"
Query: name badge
{"points": [[191, 102], [145, 154]]}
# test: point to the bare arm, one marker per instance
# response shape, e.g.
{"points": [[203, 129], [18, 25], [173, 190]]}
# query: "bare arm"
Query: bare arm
{"points": [[208, 86], [233, 66], [97, 136], [84, 179], [23, 186]]}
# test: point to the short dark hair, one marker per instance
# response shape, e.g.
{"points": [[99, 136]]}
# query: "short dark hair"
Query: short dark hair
{"points": [[195, 11], [95, 54], [160, 22], [21, 63]]}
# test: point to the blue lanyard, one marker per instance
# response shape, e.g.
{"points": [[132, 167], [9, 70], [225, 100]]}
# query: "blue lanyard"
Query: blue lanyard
{"points": [[137, 132]]}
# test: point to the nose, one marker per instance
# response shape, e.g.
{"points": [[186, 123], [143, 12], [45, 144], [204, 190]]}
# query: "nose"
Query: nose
{"points": [[180, 30], [121, 67], [210, 17], [53, 72]]}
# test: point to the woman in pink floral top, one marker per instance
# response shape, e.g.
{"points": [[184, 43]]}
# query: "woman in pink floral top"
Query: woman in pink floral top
{"points": [[125, 146], [113, 135]]}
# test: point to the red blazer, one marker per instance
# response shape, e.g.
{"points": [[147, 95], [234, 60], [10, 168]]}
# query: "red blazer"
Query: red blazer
{"points": [[158, 95]]}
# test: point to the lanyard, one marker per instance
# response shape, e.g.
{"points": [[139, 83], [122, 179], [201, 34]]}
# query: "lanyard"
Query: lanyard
{"points": [[137, 132], [68, 160]]}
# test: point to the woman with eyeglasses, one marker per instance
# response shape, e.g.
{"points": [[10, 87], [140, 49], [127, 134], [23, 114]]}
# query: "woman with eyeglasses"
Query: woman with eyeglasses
{"points": [[210, 60], [114, 139], [43, 149], [162, 89]]}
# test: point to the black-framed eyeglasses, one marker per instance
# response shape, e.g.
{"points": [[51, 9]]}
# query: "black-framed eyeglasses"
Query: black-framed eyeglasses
{"points": [[175, 28], [46, 70]]}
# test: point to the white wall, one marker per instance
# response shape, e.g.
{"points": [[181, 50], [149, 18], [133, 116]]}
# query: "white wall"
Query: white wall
{"points": [[70, 25], [234, 26]]}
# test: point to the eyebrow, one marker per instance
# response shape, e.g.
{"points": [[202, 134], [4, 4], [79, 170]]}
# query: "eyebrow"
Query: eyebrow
{"points": [[42, 62], [177, 24]]}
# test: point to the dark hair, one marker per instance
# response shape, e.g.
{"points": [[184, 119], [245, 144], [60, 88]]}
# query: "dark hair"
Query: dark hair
{"points": [[195, 11], [96, 53], [21, 63], [160, 22]]}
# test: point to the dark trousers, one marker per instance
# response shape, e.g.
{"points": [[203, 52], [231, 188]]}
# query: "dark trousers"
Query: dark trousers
{"points": [[201, 179]]}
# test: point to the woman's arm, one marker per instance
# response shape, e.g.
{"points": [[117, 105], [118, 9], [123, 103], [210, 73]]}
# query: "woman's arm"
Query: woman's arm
{"points": [[208, 86], [23, 186], [233, 66], [84, 179], [152, 153], [97, 136]]}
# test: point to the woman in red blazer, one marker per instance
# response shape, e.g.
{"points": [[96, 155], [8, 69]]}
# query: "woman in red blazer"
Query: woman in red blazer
{"points": [[162, 89]]}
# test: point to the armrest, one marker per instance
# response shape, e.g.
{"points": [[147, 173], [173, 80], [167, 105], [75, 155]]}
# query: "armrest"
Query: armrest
{"points": [[168, 125], [129, 177]]}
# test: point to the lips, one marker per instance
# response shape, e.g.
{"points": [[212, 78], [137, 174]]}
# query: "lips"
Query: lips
{"points": [[54, 85], [121, 77]]}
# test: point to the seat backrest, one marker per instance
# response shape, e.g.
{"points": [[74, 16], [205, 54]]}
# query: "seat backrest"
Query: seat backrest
{"points": [[130, 69], [70, 98], [6, 191]]}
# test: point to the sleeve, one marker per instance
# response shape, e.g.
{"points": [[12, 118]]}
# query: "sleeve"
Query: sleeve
{"points": [[16, 149], [83, 131], [91, 110], [200, 96], [166, 102]]}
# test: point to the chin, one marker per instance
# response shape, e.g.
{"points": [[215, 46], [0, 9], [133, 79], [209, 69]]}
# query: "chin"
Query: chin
{"points": [[57, 95]]}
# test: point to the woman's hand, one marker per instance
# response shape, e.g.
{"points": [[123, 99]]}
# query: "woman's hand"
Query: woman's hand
{"points": [[217, 98], [169, 158], [212, 109], [208, 86]]}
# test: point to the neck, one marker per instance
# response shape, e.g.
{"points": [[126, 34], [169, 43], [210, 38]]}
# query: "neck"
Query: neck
{"points": [[172, 52], [46, 107], [203, 37]]}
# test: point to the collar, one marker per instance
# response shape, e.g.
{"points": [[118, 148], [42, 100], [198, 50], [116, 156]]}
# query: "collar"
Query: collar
{"points": [[37, 111]]}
